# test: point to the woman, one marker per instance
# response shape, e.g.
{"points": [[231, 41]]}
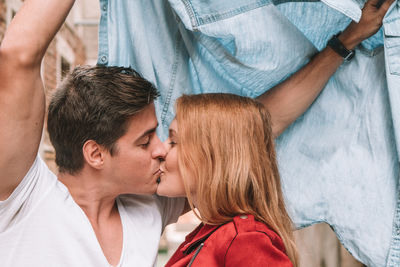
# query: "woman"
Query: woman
{"points": [[222, 158]]}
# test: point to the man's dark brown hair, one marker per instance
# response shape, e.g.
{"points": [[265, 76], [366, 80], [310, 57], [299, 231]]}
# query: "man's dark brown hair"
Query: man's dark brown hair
{"points": [[94, 103]]}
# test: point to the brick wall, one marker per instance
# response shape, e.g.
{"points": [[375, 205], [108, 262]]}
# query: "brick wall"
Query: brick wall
{"points": [[76, 44], [50, 59]]}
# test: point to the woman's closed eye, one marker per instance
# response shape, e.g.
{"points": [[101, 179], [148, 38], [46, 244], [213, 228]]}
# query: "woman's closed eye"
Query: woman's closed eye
{"points": [[172, 142]]}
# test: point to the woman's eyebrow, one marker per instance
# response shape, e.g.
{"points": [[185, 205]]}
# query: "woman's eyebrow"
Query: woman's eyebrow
{"points": [[172, 132]]}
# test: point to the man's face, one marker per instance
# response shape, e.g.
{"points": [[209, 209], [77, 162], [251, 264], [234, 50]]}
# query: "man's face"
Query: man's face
{"points": [[135, 166]]}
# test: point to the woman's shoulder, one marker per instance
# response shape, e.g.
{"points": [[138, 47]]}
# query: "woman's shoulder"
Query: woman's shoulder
{"points": [[246, 227], [245, 224], [254, 242], [242, 241]]}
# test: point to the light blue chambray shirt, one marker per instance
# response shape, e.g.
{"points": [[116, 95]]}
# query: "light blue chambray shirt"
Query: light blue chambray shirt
{"points": [[339, 161]]}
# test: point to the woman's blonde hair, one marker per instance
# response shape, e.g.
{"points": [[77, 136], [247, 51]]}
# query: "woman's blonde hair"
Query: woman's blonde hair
{"points": [[226, 149]]}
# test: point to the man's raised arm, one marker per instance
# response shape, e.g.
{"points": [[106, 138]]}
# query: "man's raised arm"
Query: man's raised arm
{"points": [[290, 99], [22, 100]]}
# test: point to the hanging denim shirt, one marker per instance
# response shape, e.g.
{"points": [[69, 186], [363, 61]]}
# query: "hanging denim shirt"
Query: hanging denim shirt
{"points": [[339, 161]]}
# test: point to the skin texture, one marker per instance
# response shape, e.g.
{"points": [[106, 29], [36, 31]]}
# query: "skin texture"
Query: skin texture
{"points": [[136, 165]]}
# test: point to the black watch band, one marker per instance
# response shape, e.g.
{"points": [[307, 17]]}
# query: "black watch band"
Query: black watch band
{"points": [[340, 49]]}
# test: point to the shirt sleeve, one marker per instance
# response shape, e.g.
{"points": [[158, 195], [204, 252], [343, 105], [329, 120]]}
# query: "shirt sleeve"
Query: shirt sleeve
{"points": [[25, 196], [255, 249], [171, 209]]}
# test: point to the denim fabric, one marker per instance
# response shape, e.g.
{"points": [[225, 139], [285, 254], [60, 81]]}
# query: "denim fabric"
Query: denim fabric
{"points": [[340, 161]]}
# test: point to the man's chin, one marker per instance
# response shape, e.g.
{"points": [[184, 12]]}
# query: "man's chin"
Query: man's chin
{"points": [[154, 190]]}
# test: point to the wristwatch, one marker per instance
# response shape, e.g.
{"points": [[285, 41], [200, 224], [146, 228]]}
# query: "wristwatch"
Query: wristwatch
{"points": [[340, 49]]}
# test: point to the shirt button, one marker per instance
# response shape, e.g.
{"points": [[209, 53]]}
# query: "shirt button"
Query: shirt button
{"points": [[243, 217], [103, 59], [105, 8]]}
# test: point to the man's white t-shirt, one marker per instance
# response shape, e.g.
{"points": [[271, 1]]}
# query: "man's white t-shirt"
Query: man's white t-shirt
{"points": [[42, 226]]}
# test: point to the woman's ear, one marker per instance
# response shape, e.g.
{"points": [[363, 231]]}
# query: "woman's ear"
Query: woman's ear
{"points": [[93, 153]]}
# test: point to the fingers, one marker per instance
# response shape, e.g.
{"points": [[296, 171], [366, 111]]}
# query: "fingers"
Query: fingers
{"points": [[374, 2], [380, 3], [385, 6], [371, 19]]}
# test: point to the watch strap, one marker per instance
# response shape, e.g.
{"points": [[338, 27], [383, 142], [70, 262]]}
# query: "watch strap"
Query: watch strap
{"points": [[340, 49]]}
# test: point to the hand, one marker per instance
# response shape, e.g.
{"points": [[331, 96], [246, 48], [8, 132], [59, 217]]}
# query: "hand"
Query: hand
{"points": [[370, 23]]}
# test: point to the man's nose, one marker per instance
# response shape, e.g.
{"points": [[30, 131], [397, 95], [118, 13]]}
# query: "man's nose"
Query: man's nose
{"points": [[160, 151]]}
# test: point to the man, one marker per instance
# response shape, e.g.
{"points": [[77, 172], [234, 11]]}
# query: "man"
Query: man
{"points": [[102, 124]]}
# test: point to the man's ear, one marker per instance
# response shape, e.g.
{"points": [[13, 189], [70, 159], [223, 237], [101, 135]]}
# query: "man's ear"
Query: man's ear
{"points": [[93, 153]]}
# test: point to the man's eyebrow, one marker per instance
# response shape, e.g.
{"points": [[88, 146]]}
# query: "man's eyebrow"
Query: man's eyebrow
{"points": [[150, 131]]}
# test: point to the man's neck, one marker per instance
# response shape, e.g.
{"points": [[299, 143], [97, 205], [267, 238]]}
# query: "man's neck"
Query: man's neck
{"points": [[96, 199], [88, 191]]}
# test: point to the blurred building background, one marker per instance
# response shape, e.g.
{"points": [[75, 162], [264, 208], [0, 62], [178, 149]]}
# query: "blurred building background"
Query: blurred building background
{"points": [[76, 44]]}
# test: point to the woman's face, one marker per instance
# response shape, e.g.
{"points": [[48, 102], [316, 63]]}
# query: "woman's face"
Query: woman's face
{"points": [[171, 183]]}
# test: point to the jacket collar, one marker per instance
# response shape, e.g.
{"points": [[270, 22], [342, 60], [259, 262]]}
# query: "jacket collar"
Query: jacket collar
{"points": [[198, 236]]}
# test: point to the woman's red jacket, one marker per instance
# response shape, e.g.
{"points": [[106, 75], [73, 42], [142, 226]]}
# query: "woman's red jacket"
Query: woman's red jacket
{"points": [[242, 242]]}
